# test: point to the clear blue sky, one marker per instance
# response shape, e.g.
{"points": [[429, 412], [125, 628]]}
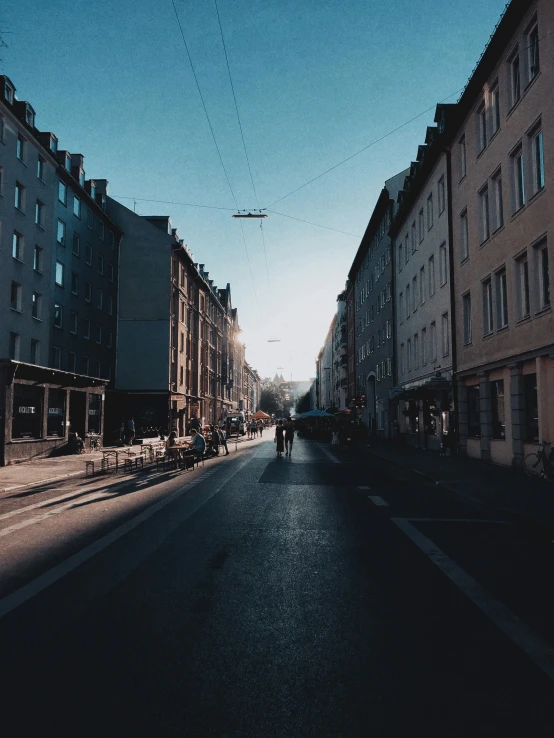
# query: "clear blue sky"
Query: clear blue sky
{"points": [[315, 81]]}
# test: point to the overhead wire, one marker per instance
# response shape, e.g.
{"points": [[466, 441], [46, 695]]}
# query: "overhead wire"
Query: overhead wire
{"points": [[242, 138], [213, 136], [170, 202], [318, 225]]}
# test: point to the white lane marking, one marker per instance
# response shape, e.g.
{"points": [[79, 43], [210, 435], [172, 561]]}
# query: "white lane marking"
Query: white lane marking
{"points": [[460, 520], [329, 454], [20, 596], [20, 510], [538, 650], [379, 501], [362, 487]]}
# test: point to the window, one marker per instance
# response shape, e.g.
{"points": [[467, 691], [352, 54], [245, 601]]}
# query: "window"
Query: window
{"points": [[73, 322], [488, 312], [111, 272], [413, 238], [20, 148], [466, 310], [76, 244], [498, 409], [443, 264], [433, 341], [72, 361], [86, 365], [485, 214], [414, 293], [101, 228], [463, 156], [445, 335], [531, 408], [538, 160], [406, 250], [416, 351], [1, 128], [1, 181], [58, 315], [430, 212], [88, 254], [17, 246], [88, 291], [424, 346], [109, 340], [421, 225], [402, 359], [498, 201], [61, 232], [59, 274], [68, 162], [464, 236], [401, 306], [422, 285], [14, 347], [473, 412], [111, 240], [544, 276], [90, 219], [62, 192], [482, 127], [76, 207], [409, 354], [37, 259], [81, 177], [441, 195], [39, 213], [19, 196], [523, 301], [99, 299], [110, 305], [100, 264], [431, 275], [515, 77], [533, 49], [408, 301], [400, 255], [86, 328], [56, 357], [35, 351], [501, 299], [15, 297], [519, 179], [388, 329], [495, 107], [36, 305], [99, 334], [74, 283]]}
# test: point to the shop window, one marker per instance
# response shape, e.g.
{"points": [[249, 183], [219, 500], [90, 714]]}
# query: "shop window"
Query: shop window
{"points": [[27, 411], [56, 413], [94, 413], [473, 412], [531, 408], [498, 409]]}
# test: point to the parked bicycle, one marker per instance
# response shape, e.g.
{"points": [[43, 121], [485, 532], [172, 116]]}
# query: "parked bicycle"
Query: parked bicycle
{"points": [[94, 442], [540, 463]]}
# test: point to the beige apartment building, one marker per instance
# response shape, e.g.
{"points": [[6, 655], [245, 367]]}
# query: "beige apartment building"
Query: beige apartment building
{"points": [[502, 168]]}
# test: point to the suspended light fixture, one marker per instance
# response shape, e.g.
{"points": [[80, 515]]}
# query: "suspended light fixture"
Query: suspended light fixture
{"points": [[255, 214]]}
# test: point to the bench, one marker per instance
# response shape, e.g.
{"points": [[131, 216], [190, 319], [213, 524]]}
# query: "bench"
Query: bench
{"points": [[132, 462]]}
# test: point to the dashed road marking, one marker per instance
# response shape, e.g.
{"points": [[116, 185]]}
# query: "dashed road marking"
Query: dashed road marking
{"points": [[329, 454], [538, 650], [361, 486], [378, 501]]}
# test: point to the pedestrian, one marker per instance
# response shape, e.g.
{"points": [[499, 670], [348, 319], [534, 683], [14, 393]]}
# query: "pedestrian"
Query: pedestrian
{"points": [[335, 439], [223, 440], [254, 428], [279, 438], [122, 432], [289, 436], [214, 440], [260, 427], [197, 445], [130, 431]]}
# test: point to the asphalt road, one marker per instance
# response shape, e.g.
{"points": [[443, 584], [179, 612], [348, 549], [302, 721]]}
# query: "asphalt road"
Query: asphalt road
{"points": [[308, 596]]}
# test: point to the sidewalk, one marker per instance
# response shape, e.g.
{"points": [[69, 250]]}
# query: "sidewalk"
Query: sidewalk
{"points": [[41, 471], [497, 488]]}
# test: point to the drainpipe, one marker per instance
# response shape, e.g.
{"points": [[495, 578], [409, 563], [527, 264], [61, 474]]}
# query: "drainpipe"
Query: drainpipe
{"points": [[451, 257]]}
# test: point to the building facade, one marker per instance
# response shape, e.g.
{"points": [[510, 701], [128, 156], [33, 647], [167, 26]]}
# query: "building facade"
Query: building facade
{"points": [[502, 152], [325, 370], [422, 398], [340, 356]]}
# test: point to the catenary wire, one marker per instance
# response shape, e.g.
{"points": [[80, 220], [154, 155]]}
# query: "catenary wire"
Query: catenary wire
{"points": [[170, 202], [327, 228]]}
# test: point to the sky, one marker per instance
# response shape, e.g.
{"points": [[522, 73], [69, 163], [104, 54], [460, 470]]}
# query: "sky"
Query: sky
{"points": [[315, 82]]}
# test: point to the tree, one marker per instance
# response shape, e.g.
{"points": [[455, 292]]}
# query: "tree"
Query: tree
{"points": [[271, 400], [303, 403]]}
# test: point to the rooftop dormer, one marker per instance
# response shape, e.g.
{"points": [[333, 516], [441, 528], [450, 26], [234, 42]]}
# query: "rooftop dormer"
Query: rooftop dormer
{"points": [[48, 140], [64, 157], [8, 89], [78, 168]]}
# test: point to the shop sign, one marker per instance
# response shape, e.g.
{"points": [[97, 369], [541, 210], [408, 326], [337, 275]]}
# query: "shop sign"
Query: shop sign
{"points": [[94, 412], [27, 410], [55, 411]]}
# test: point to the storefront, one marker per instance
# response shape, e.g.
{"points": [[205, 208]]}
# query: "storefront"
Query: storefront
{"points": [[39, 407]]}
